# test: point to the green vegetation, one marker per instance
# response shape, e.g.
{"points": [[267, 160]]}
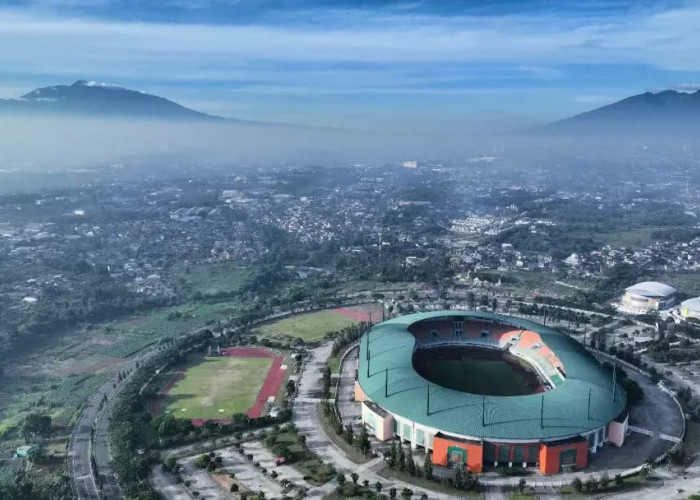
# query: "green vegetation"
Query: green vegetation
{"points": [[214, 384], [604, 485], [223, 279], [309, 326], [403, 467], [291, 445], [329, 425], [132, 428]]}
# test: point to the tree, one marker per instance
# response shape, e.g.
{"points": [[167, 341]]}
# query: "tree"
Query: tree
{"points": [[36, 424], [428, 466], [234, 488], [401, 458], [326, 381], [34, 454], [577, 485], [170, 465], [392, 457], [619, 480], [406, 493], [378, 487], [349, 434], [410, 464], [521, 484], [589, 485], [354, 476], [392, 493], [340, 479], [634, 392], [363, 440], [203, 461], [459, 478], [471, 300]]}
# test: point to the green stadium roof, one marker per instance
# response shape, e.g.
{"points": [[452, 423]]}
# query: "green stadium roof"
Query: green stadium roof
{"points": [[566, 408]]}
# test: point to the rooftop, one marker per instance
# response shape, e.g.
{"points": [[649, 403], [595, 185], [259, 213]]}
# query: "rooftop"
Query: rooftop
{"points": [[652, 289], [558, 413]]}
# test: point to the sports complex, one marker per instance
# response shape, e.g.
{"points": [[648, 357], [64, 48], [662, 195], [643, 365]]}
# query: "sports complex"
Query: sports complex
{"points": [[484, 390], [236, 380]]}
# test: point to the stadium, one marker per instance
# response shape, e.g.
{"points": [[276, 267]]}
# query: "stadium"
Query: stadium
{"points": [[646, 297], [482, 390], [690, 309]]}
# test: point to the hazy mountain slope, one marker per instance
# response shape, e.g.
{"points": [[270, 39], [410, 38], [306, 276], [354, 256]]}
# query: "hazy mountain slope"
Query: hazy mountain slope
{"points": [[663, 112], [91, 98]]}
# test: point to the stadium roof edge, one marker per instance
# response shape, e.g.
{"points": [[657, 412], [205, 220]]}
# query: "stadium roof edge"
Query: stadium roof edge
{"points": [[558, 413]]}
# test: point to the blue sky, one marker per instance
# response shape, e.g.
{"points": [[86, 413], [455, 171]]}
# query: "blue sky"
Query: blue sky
{"points": [[365, 64]]}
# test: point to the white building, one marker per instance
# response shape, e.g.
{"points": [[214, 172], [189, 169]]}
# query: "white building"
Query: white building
{"points": [[647, 297]]}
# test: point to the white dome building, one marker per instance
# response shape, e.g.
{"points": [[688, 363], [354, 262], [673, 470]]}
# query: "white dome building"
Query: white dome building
{"points": [[647, 297], [690, 308]]}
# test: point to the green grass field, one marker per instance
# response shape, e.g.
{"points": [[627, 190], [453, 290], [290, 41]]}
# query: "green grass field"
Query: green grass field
{"points": [[215, 384], [309, 326], [478, 376]]}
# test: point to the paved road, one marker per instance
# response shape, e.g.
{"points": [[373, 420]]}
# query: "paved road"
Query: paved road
{"points": [[306, 419], [82, 447]]}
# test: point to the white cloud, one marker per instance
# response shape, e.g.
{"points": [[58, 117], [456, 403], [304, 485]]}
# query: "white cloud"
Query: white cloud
{"points": [[668, 40]]}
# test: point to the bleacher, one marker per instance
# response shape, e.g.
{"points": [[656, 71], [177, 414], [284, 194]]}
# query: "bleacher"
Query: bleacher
{"points": [[530, 346], [526, 343]]}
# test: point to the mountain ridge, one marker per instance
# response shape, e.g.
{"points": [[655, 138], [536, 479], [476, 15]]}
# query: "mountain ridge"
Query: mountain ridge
{"points": [[85, 97], [652, 112]]}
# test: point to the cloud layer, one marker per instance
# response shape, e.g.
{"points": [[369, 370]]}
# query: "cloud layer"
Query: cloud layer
{"points": [[488, 61]]}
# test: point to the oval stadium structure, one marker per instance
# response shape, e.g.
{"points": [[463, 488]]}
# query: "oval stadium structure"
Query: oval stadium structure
{"points": [[487, 390]]}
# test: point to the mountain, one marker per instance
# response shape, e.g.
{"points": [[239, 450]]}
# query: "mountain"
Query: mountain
{"points": [[669, 112], [98, 99]]}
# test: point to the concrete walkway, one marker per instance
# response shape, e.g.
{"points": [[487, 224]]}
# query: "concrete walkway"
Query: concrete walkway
{"points": [[306, 419]]}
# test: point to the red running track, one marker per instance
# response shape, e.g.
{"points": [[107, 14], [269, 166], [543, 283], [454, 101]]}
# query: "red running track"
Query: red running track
{"points": [[273, 381], [359, 315], [270, 387], [154, 406]]}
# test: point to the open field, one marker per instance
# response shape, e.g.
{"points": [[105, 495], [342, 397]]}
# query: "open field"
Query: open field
{"points": [[211, 280], [687, 283], [315, 325], [57, 374], [216, 387]]}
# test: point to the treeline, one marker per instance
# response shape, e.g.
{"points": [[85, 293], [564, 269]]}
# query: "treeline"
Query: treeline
{"points": [[361, 441], [98, 299], [135, 436], [554, 313], [401, 460]]}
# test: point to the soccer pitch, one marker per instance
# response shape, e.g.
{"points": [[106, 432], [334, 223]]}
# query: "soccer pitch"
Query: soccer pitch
{"points": [[217, 387], [477, 376], [309, 326]]}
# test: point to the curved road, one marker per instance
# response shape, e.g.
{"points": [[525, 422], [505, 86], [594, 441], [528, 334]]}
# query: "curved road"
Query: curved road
{"points": [[90, 439]]}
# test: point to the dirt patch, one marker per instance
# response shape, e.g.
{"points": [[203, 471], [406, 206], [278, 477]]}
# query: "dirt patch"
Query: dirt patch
{"points": [[91, 368]]}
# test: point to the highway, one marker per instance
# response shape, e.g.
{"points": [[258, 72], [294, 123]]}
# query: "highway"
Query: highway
{"points": [[101, 483]]}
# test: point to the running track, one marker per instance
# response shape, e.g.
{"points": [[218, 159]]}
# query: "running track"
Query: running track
{"points": [[270, 387], [359, 315]]}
